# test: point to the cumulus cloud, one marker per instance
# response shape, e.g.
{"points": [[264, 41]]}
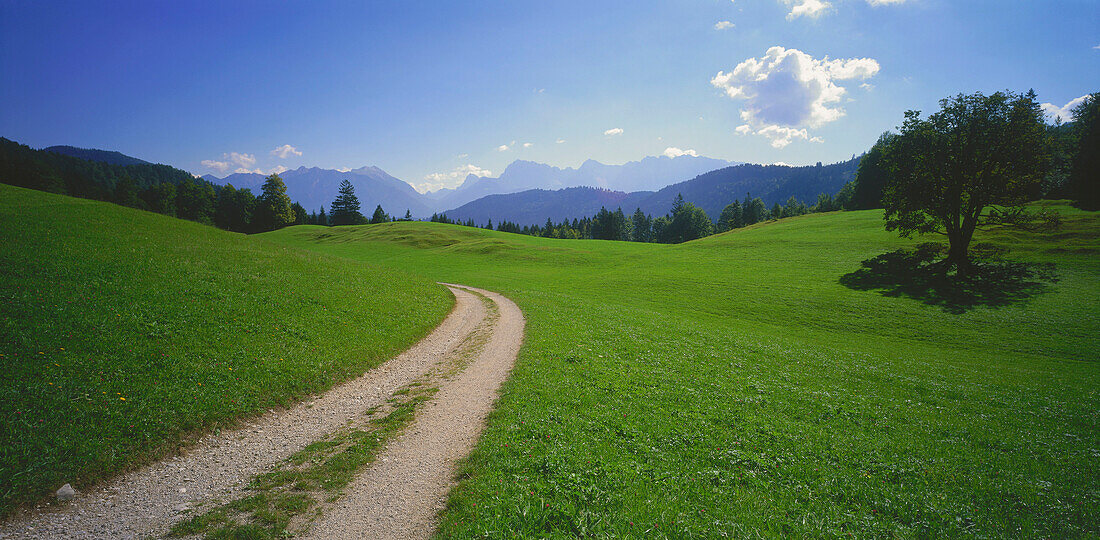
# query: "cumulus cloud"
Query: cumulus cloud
{"points": [[806, 8], [877, 3], [278, 169], [787, 91], [674, 152], [528, 145], [242, 170], [220, 166], [1063, 113], [502, 148], [344, 169], [450, 179], [559, 141], [463, 156], [614, 131], [244, 160], [285, 151], [722, 25]]}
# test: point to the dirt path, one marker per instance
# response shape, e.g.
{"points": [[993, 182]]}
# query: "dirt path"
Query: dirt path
{"points": [[148, 501], [399, 495]]}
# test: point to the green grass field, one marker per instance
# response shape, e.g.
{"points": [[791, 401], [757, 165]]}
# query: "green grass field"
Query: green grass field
{"points": [[123, 333], [733, 386]]}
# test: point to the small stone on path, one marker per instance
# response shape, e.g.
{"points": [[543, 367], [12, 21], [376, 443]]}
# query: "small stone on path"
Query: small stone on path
{"points": [[66, 493]]}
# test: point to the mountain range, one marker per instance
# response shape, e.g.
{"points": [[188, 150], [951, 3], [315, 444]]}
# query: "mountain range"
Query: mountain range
{"points": [[315, 187], [528, 193], [711, 191]]}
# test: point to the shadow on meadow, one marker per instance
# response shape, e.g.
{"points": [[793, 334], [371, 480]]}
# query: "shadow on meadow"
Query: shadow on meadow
{"points": [[918, 274]]}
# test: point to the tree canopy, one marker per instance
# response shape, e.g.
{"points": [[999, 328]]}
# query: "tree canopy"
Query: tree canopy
{"points": [[273, 208], [1085, 173], [944, 171]]}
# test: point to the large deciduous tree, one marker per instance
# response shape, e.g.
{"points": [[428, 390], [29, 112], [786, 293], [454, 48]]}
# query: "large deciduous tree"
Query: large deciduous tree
{"points": [[946, 170], [1085, 174], [273, 210]]}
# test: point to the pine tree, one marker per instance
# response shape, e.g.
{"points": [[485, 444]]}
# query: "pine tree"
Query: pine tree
{"points": [[345, 209], [379, 216]]}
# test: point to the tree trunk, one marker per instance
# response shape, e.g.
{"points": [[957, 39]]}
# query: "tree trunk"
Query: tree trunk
{"points": [[958, 254]]}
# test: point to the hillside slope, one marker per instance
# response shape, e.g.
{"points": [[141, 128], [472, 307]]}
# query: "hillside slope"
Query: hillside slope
{"points": [[735, 386], [122, 332], [91, 154]]}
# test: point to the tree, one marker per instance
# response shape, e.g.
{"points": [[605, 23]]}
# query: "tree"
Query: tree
{"points": [[731, 217], [1085, 173], [871, 175], [300, 215], [408, 215], [224, 208], [273, 209], [688, 222], [195, 201], [753, 210], [380, 216], [944, 171], [643, 226], [322, 219], [345, 209]]}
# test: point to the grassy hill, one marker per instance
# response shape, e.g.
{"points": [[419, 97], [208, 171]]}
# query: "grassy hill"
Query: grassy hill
{"points": [[123, 332], [735, 384]]}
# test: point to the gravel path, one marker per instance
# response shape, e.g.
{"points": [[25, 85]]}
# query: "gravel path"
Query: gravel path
{"points": [[148, 501], [399, 495]]}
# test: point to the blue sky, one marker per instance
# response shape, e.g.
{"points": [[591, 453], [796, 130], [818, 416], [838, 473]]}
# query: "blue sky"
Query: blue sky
{"points": [[429, 91]]}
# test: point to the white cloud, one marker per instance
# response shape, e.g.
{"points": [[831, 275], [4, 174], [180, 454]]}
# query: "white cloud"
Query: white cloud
{"points": [[1065, 112], [450, 179], [782, 164], [674, 152], [877, 3], [1097, 47], [285, 151], [722, 25], [614, 131], [343, 169], [528, 145], [244, 160], [787, 91], [806, 8], [559, 141], [463, 156], [782, 136], [220, 166], [502, 148], [278, 169], [242, 170]]}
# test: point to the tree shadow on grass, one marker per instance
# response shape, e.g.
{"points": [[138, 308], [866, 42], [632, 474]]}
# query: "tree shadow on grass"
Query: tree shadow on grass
{"points": [[919, 274]]}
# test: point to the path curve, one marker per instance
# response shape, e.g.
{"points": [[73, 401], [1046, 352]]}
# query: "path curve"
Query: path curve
{"points": [[147, 501], [400, 495]]}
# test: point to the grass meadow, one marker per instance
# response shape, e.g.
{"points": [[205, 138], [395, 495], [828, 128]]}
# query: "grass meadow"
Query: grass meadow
{"points": [[123, 333], [733, 386]]}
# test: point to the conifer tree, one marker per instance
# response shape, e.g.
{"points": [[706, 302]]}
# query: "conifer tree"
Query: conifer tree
{"points": [[379, 216], [345, 209]]}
